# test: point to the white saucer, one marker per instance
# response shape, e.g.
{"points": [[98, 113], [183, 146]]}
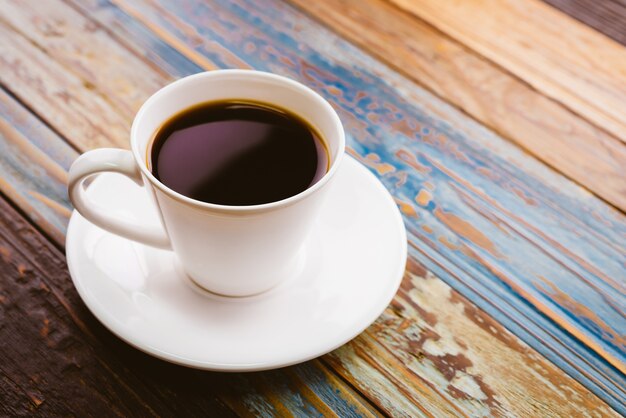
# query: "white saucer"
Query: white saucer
{"points": [[353, 266]]}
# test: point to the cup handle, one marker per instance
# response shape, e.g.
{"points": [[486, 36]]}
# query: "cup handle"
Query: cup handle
{"points": [[117, 161]]}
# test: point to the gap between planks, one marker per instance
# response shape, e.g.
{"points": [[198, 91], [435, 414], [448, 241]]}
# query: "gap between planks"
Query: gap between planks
{"points": [[606, 16], [7, 90]]}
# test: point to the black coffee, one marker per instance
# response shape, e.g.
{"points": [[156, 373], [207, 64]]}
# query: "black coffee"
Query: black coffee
{"points": [[238, 153]]}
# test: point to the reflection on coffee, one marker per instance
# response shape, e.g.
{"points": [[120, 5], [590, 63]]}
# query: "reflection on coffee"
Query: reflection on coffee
{"points": [[238, 153]]}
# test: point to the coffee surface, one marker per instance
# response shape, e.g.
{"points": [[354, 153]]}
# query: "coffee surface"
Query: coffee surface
{"points": [[237, 153]]}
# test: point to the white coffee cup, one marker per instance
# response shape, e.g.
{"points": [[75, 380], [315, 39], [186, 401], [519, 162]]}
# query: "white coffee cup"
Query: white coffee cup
{"points": [[229, 250]]}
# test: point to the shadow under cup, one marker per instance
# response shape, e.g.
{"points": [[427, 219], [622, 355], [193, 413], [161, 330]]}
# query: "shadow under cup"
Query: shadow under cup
{"points": [[237, 250]]}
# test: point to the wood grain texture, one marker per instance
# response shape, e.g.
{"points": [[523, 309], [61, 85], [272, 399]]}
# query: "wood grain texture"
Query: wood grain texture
{"points": [[119, 77], [488, 93], [432, 343], [40, 190], [492, 208], [57, 367], [140, 40], [606, 16], [86, 94], [61, 96], [60, 361], [564, 59], [377, 376]]}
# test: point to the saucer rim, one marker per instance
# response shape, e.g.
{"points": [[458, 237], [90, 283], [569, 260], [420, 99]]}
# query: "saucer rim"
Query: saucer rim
{"points": [[395, 279]]}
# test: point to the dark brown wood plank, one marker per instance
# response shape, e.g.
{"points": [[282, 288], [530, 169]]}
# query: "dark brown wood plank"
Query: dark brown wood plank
{"points": [[14, 398], [606, 16], [52, 351]]}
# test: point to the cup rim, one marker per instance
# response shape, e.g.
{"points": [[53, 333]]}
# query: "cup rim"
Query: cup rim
{"points": [[228, 208]]}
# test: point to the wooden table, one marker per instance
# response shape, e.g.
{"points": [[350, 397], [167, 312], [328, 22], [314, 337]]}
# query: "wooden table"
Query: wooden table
{"points": [[498, 126]]}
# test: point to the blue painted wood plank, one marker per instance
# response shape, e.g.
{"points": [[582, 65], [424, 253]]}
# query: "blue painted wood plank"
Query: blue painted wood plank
{"points": [[33, 167], [138, 39], [534, 250]]}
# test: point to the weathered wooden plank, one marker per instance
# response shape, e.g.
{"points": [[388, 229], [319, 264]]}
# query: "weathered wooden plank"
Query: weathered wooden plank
{"points": [[51, 90], [66, 362], [606, 16], [140, 40], [564, 59], [478, 209], [488, 93], [323, 382], [43, 354], [84, 92], [431, 337], [89, 88], [12, 395], [119, 76], [33, 167]]}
